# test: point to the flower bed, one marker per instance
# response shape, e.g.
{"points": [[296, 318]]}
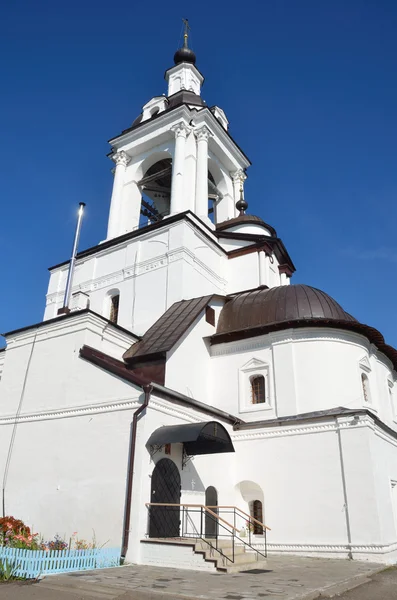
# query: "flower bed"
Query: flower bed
{"points": [[24, 554]]}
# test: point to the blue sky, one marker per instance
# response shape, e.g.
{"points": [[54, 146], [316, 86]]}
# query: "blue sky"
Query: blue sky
{"points": [[310, 91]]}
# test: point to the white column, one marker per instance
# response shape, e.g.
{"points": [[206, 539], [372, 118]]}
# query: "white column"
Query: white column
{"points": [[284, 279], [262, 268], [238, 178], [178, 165], [121, 160], [202, 134]]}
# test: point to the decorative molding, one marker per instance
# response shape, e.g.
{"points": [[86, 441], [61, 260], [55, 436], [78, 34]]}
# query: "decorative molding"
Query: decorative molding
{"points": [[203, 133], [238, 176], [121, 404], [87, 320], [72, 411], [365, 364], [254, 367], [181, 129], [328, 548], [287, 336], [276, 431], [145, 266], [170, 409], [120, 158]]}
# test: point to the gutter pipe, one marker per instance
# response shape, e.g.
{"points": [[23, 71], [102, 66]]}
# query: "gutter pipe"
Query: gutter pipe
{"points": [[344, 488], [147, 388]]}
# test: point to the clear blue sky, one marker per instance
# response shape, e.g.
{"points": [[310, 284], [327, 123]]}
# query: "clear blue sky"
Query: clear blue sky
{"points": [[309, 88]]}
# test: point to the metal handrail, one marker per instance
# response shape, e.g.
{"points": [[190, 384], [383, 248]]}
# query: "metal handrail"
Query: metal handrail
{"points": [[206, 508], [216, 518], [245, 514]]}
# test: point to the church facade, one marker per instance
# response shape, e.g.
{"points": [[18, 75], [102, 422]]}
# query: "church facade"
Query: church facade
{"points": [[188, 370]]}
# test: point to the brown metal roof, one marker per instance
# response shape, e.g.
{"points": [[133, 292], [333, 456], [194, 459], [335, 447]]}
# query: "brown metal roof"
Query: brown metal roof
{"points": [[260, 311], [120, 369], [168, 329], [283, 303]]}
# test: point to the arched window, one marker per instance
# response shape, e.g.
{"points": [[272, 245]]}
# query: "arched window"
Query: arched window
{"points": [[258, 395], [257, 513], [114, 308], [365, 386]]}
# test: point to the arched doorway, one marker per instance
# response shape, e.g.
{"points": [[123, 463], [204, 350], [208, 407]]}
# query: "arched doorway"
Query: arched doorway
{"points": [[211, 524], [166, 488]]}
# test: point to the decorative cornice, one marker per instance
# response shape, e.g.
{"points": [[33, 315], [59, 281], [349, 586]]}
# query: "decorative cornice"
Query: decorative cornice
{"points": [[285, 269], [169, 409], [121, 404], [286, 336], [182, 253], [72, 411]]}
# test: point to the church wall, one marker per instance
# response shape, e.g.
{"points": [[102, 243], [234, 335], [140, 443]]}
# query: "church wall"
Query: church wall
{"points": [[304, 500], [243, 273], [384, 465], [68, 474], [299, 472], [151, 273], [308, 369], [57, 377], [189, 369]]}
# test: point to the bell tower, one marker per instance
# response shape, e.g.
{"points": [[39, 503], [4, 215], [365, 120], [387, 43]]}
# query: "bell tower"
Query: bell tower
{"points": [[176, 156]]}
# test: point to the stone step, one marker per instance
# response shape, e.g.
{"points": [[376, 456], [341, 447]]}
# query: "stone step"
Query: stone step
{"points": [[237, 568], [238, 558], [202, 546]]}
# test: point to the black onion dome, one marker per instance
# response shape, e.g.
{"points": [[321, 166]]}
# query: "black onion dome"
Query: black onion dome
{"points": [[286, 304], [184, 54]]}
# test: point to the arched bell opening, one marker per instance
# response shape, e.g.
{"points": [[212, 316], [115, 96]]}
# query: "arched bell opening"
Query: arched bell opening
{"points": [[155, 187], [213, 197], [220, 191]]}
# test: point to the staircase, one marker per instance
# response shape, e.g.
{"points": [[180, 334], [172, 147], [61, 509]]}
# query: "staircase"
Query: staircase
{"points": [[243, 560], [225, 551]]}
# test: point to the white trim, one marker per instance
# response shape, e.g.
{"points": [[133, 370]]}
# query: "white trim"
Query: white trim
{"points": [[254, 367]]}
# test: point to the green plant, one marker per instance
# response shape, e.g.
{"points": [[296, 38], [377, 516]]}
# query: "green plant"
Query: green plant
{"points": [[8, 570], [82, 544]]}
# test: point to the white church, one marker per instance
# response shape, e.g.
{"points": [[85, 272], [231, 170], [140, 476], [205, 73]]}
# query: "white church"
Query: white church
{"points": [[188, 403]]}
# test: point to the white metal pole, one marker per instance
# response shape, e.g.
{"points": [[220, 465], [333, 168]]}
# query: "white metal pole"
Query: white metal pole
{"points": [[68, 289]]}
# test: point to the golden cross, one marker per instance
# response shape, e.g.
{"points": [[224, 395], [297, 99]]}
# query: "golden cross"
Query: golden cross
{"points": [[187, 28]]}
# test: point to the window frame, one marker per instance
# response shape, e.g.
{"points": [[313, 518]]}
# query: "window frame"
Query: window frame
{"points": [[257, 391], [253, 368]]}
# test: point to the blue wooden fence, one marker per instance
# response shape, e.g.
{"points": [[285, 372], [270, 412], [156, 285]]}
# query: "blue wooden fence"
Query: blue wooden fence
{"points": [[33, 563]]}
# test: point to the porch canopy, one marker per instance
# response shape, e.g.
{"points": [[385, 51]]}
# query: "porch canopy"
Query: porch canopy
{"points": [[198, 438]]}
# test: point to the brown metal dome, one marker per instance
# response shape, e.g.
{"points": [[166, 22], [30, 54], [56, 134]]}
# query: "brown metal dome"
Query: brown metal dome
{"points": [[279, 305], [260, 311]]}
